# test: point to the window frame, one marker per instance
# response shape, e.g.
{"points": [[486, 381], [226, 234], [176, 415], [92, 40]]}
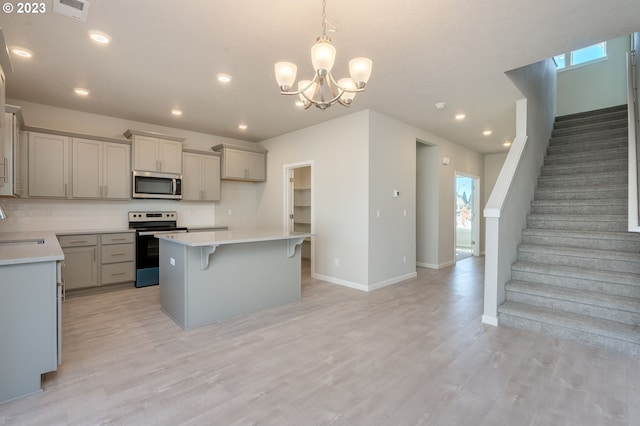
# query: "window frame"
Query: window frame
{"points": [[568, 57]]}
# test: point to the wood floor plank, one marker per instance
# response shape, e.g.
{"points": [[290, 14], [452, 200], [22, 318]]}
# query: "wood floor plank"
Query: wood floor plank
{"points": [[408, 354]]}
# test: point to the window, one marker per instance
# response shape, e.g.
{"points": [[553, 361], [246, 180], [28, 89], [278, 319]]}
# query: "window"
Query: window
{"points": [[581, 56]]}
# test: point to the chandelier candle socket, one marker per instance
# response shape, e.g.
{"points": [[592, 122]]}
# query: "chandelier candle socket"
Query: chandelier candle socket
{"points": [[323, 91]]}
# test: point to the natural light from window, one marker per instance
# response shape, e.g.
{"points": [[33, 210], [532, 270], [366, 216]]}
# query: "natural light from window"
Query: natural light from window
{"points": [[581, 56]]}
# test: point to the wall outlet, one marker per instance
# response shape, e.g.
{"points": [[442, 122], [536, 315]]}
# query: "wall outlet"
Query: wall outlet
{"points": [[404, 259], [378, 213], [336, 262], [172, 261]]}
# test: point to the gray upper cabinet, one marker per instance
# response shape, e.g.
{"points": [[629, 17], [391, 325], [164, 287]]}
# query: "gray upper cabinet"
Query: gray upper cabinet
{"points": [[201, 176], [155, 153], [48, 165], [242, 163], [101, 169]]}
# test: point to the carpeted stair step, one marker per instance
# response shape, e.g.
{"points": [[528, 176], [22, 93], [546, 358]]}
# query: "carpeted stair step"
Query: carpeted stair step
{"points": [[584, 167], [618, 241], [592, 114], [585, 179], [620, 153], [602, 135], [575, 207], [590, 127], [613, 283], [605, 223], [606, 334], [589, 146], [601, 260], [617, 191], [614, 308], [567, 122]]}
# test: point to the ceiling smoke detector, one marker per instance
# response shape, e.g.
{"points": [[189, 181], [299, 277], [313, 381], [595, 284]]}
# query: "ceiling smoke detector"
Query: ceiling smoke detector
{"points": [[76, 9]]}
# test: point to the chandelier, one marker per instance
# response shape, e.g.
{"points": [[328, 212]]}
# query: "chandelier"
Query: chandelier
{"points": [[324, 91]]}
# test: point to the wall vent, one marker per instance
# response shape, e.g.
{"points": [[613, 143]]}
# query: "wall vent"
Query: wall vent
{"points": [[76, 9]]}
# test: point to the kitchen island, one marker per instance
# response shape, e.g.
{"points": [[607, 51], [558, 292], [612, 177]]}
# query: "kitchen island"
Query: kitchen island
{"points": [[210, 276]]}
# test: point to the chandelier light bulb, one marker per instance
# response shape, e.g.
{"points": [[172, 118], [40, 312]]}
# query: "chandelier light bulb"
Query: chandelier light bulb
{"points": [[285, 75], [360, 71], [323, 56], [347, 84]]}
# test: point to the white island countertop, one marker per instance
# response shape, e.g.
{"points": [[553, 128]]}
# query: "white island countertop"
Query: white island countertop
{"points": [[215, 238], [29, 247]]}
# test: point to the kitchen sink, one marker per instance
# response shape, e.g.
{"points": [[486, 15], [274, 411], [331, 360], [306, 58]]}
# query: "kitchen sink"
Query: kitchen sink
{"points": [[29, 241]]}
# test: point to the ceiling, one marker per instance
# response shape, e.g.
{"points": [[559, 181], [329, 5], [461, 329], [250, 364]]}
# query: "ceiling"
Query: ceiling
{"points": [[165, 54]]}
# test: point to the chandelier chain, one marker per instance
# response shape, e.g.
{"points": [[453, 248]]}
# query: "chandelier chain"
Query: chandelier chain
{"points": [[324, 19]]}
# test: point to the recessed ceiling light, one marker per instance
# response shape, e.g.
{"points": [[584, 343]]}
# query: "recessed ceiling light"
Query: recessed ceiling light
{"points": [[81, 92], [99, 37], [506, 143], [242, 126], [461, 116], [223, 78], [487, 132], [23, 53], [177, 112]]}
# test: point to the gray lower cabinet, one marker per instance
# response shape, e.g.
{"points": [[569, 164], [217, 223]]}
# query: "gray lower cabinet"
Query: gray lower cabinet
{"points": [[80, 266], [28, 327], [117, 258], [94, 260]]}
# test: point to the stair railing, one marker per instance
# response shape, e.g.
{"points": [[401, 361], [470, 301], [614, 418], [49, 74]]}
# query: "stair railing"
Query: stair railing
{"points": [[634, 144]]}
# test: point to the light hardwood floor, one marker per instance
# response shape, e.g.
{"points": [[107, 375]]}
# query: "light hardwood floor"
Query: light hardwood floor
{"points": [[408, 354]]}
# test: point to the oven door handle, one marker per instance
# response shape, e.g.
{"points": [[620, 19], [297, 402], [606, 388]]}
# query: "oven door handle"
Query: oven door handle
{"points": [[147, 233]]}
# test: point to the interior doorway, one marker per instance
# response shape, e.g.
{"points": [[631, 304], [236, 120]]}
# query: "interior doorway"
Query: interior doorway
{"points": [[467, 216], [299, 209]]}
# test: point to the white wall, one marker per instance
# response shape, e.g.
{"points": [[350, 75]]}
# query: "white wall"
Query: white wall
{"points": [[598, 85], [492, 166], [339, 150], [392, 167], [427, 205], [58, 215]]}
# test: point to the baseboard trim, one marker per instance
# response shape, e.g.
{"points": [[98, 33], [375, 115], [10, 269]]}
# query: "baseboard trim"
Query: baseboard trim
{"points": [[392, 281], [490, 320], [364, 287], [435, 266], [345, 283]]}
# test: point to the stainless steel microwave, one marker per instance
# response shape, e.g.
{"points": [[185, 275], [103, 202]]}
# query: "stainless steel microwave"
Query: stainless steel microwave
{"points": [[157, 185]]}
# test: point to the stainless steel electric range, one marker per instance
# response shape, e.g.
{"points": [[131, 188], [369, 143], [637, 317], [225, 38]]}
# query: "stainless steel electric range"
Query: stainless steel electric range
{"points": [[147, 225]]}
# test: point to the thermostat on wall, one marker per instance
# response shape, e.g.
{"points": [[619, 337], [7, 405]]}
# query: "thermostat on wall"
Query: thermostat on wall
{"points": [[446, 160]]}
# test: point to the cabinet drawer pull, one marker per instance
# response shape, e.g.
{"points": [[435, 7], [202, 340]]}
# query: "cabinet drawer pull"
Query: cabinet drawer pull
{"points": [[118, 239], [118, 273], [78, 241], [118, 254]]}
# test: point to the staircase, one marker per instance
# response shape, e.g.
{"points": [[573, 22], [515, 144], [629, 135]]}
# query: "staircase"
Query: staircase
{"points": [[578, 270]]}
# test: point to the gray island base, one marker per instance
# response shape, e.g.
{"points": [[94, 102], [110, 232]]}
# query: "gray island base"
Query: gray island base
{"points": [[210, 276]]}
